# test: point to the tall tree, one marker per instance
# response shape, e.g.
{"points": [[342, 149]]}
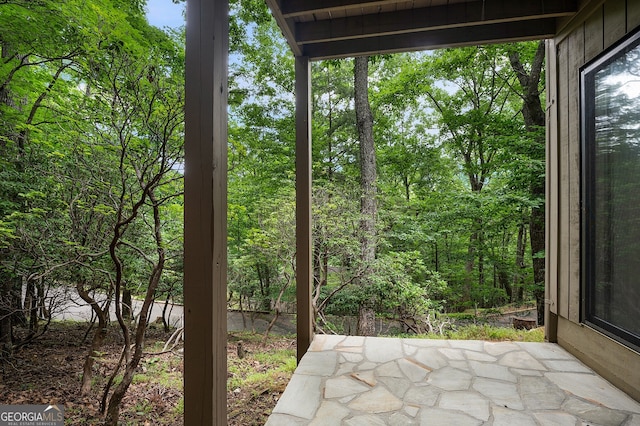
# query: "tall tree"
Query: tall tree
{"points": [[368, 187], [475, 118], [531, 89]]}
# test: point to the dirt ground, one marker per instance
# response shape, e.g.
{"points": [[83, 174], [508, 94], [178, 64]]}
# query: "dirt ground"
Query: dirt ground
{"points": [[48, 371]]}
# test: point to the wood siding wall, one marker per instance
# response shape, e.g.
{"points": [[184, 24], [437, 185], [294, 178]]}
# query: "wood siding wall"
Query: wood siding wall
{"points": [[598, 26]]}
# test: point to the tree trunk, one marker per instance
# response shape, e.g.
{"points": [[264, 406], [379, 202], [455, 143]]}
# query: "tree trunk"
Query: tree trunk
{"points": [[113, 409], [166, 318], [435, 256], [5, 316], [17, 308], [536, 229], [98, 338], [43, 311], [366, 322], [31, 306], [534, 120], [127, 307], [264, 278], [96, 343], [368, 206], [481, 280], [469, 267], [503, 279], [518, 281]]}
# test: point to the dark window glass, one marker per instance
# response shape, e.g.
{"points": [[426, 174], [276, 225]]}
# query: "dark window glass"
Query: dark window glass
{"points": [[611, 191]]}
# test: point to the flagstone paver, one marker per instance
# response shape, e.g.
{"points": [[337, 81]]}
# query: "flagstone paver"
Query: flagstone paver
{"points": [[343, 386], [595, 414], [593, 389], [450, 379], [424, 396], [538, 393], [492, 371], [506, 417], [413, 369], [369, 381], [474, 404], [378, 400], [556, 418], [500, 393], [330, 413]]}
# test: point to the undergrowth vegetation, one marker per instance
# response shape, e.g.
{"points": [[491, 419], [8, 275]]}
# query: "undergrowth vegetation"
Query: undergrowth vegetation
{"points": [[487, 332]]}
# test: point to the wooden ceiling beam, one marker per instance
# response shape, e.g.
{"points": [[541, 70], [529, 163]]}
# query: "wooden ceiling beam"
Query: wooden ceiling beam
{"points": [[458, 23], [430, 18], [426, 40], [286, 26]]}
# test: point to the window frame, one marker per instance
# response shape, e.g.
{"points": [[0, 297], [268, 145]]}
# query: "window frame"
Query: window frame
{"points": [[588, 189]]}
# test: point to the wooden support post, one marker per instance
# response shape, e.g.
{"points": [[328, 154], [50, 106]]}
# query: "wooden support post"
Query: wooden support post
{"points": [[304, 268], [552, 202], [205, 239]]}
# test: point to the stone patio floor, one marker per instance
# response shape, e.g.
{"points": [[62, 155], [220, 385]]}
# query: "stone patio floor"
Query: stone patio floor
{"points": [[368, 381]]}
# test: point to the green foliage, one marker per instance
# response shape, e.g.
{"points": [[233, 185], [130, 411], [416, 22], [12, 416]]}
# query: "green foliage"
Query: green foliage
{"points": [[160, 370], [260, 369], [403, 285], [486, 332], [179, 408]]}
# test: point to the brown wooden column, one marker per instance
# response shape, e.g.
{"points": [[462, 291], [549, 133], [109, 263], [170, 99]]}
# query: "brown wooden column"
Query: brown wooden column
{"points": [[205, 239], [304, 268], [552, 179]]}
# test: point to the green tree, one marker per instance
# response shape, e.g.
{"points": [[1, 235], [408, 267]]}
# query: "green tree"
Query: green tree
{"points": [[527, 63], [368, 187], [139, 116]]}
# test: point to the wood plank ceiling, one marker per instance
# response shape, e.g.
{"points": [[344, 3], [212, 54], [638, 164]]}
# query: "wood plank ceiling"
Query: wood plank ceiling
{"points": [[322, 29]]}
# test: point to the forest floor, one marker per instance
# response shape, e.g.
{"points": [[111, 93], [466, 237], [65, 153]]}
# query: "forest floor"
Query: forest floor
{"points": [[48, 371]]}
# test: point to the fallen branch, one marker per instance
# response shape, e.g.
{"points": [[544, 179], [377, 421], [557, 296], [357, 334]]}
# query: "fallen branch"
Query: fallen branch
{"points": [[175, 337]]}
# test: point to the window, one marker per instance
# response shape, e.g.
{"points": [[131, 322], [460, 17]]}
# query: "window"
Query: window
{"points": [[610, 113]]}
